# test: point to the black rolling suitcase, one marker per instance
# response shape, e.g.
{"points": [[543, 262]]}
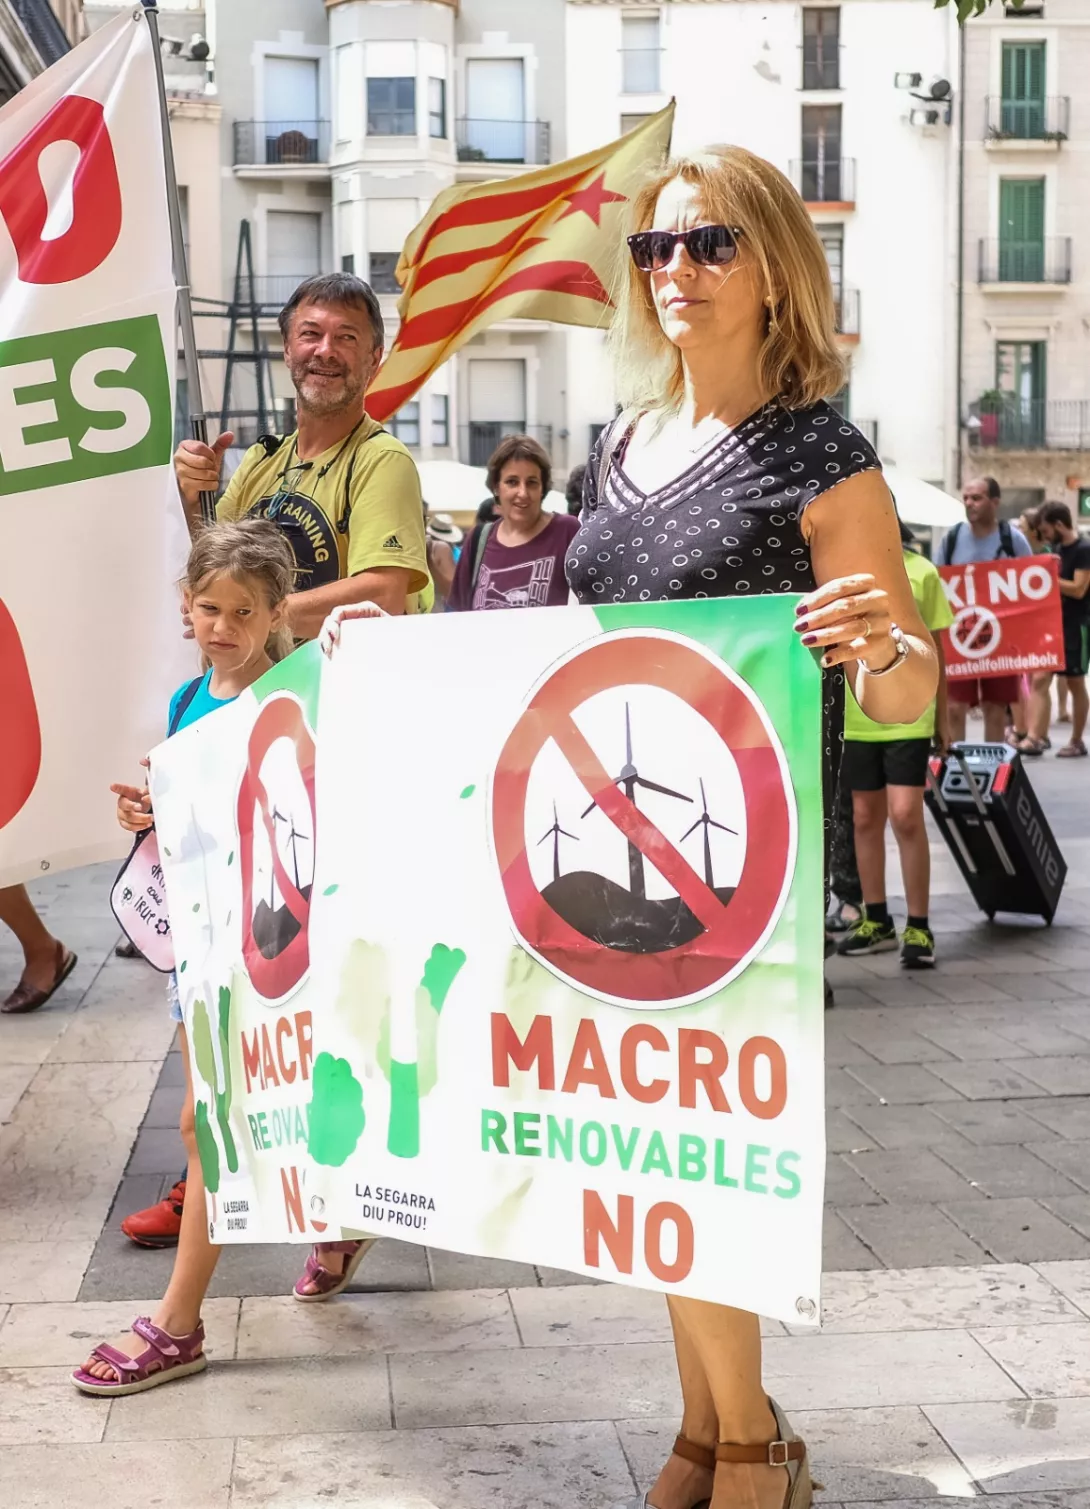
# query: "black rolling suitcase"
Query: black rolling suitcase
{"points": [[982, 799]]}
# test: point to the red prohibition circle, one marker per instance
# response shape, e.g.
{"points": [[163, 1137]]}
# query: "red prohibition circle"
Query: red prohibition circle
{"points": [[732, 930], [280, 718]]}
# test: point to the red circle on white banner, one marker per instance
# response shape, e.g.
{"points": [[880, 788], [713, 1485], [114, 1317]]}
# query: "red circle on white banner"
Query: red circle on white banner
{"points": [[730, 932]]}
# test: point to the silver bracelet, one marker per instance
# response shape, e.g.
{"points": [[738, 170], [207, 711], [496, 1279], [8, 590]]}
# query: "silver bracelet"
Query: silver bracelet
{"points": [[900, 645]]}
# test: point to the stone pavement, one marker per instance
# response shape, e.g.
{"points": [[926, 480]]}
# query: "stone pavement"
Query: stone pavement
{"points": [[954, 1363]]}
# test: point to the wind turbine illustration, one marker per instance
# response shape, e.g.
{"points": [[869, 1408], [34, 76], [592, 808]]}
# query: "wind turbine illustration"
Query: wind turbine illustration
{"points": [[277, 817], [293, 836], [707, 822], [630, 779], [556, 833]]}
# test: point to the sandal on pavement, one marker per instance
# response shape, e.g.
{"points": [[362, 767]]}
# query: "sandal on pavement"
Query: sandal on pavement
{"points": [[703, 1456], [330, 1284], [1074, 750], [1033, 747], [28, 997], [787, 1452], [165, 1358]]}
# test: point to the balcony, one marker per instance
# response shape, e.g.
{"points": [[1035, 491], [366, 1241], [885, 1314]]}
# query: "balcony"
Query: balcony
{"points": [[825, 182], [271, 291], [480, 437], [1029, 424], [846, 301], [502, 141], [297, 147], [641, 70], [1025, 264], [1026, 123], [868, 428]]}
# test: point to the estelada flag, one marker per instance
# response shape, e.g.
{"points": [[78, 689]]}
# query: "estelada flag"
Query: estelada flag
{"points": [[542, 246]]}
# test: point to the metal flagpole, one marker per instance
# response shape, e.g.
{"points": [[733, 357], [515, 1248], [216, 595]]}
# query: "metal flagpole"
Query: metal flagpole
{"points": [[194, 397]]}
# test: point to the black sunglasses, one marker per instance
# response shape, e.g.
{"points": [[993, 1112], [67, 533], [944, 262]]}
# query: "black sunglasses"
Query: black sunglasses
{"points": [[710, 245]]}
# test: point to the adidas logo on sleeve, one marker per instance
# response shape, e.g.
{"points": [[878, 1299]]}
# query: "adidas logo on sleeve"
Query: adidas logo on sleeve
{"points": [[391, 542]]}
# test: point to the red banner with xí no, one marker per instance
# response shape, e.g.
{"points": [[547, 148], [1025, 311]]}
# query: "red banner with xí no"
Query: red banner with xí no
{"points": [[1007, 618]]}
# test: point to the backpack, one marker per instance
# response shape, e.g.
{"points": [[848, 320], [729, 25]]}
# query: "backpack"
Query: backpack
{"points": [[1006, 542]]}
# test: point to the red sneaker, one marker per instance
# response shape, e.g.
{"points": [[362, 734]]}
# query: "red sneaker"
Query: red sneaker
{"points": [[159, 1225]]}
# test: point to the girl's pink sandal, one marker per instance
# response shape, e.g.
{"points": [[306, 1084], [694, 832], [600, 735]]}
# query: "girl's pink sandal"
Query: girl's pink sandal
{"points": [[329, 1284], [165, 1358]]}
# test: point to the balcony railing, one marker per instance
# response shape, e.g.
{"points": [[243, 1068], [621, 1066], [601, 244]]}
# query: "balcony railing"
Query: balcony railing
{"points": [[1030, 424], [285, 144], [480, 437], [641, 70], [43, 29], [271, 291], [502, 141], [847, 310], [1027, 120], [1045, 261], [825, 180], [868, 428]]}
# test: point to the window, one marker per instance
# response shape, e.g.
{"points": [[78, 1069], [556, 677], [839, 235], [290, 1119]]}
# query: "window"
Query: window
{"points": [[391, 107], [437, 108], [291, 95], [383, 272], [293, 251], [821, 165], [495, 128], [1020, 378], [1084, 502], [640, 54], [1021, 230], [841, 401], [440, 419], [821, 47], [1022, 109], [630, 122], [832, 241], [406, 424], [348, 263]]}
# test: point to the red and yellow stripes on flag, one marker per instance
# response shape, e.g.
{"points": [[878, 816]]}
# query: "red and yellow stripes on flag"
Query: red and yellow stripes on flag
{"points": [[541, 246]]}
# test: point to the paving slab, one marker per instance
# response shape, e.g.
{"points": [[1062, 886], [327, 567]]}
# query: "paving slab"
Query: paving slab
{"points": [[905, 1084], [39, 1405], [63, 1335], [1023, 1446], [358, 1325], [1071, 1158], [931, 1299], [893, 1127], [1018, 1230], [913, 1236], [989, 1122], [1067, 1116], [1071, 1279], [117, 1475], [988, 1079], [1047, 1362], [551, 1466], [32, 1272], [1006, 1171], [909, 1175]]}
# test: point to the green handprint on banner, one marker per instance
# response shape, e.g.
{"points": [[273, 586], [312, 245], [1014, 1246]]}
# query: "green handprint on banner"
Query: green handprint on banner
{"points": [[410, 1082], [204, 1053], [206, 1147], [335, 1116]]}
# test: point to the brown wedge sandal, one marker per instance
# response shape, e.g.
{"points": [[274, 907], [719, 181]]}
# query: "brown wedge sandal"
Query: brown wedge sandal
{"points": [[787, 1452], [703, 1456]]}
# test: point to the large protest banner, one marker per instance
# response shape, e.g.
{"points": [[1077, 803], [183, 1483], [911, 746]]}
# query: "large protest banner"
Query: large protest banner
{"points": [[92, 530], [1007, 617], [525, 960]]}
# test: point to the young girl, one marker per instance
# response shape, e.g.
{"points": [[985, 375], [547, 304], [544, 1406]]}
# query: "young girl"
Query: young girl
{"points": [[235, 585]]}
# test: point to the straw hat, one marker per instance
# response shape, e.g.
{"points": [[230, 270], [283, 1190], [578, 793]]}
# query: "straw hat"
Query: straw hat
{"points": [[442, 527]]}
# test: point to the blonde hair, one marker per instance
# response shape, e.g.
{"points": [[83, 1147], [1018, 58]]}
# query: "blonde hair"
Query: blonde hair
{"points": [[251, 550], [798, 361]]}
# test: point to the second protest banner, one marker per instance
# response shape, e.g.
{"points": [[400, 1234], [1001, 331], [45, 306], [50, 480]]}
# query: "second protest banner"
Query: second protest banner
{"points": [[504, 934], [1006, 617]]}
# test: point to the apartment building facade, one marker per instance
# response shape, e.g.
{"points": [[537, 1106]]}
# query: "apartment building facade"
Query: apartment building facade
{"points": [[852, 101], [1026, 375]]}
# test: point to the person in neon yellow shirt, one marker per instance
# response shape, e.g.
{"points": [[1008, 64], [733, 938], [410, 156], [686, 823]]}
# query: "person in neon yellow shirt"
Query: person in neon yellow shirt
{"points": [[885, 767]]}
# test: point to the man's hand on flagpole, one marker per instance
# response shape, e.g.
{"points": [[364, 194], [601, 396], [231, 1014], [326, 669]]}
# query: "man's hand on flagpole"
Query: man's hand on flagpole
{"points": [[197, 467], [329, 635]]}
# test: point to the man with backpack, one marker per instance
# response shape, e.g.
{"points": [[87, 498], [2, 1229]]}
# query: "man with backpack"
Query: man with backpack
{"points": [[983, 537]]}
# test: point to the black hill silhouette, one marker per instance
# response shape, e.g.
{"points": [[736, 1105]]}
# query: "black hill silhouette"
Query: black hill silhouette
{"points": [[603, 910], [273, 926]]}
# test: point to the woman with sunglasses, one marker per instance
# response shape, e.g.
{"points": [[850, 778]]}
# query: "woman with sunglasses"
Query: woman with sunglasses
{"points": [[729, 473]]}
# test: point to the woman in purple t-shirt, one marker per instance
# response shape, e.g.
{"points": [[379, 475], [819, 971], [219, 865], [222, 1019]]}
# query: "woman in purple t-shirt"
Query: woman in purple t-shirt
{"points": [[517, 562]]}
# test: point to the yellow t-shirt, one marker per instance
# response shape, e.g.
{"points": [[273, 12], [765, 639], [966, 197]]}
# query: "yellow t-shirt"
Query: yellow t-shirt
{"points": [[927, 589], [355, 507]]}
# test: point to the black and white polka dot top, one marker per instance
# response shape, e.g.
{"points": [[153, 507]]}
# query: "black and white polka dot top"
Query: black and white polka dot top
{"points": [[728, 526]]}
